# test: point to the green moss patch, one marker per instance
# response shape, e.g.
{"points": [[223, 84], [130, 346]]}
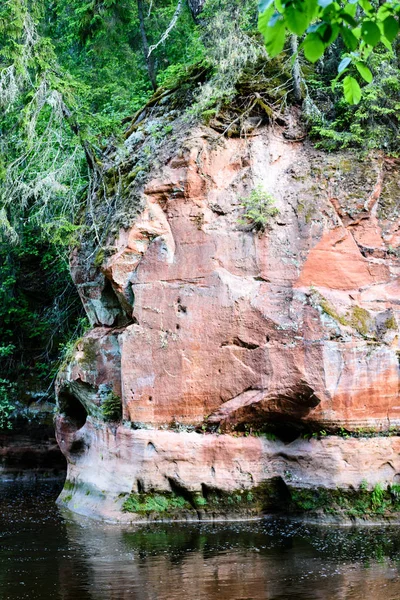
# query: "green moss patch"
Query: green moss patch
{"points": [[391, 323], [158, 502], [331, 311], [362, 503], [360, 320], [270, 496], [89, 351]]}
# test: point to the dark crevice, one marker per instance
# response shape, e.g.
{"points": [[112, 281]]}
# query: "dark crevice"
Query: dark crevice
{"points": [[78, 447], [118, 307], [206, 490], [73, 409], [242, 344], [180, 490]]}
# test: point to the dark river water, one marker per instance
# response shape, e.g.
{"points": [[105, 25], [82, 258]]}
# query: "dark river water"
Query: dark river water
{"points": [[48, 555]]}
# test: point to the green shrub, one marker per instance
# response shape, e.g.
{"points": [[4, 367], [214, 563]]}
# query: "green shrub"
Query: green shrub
{"points": [[374, 122], [377, 496], [7, 391], [259, 209], [112, 407]]}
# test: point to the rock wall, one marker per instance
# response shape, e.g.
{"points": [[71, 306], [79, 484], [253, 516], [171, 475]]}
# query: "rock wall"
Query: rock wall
{"points": [[29, 452], [211, 333]]}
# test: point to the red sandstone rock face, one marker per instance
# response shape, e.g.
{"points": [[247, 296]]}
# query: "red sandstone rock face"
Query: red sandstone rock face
{"points": [[199, 320], [231, 326]]}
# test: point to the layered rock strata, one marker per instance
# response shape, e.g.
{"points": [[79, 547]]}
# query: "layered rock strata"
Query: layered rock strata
{"points": [[211, 333]]}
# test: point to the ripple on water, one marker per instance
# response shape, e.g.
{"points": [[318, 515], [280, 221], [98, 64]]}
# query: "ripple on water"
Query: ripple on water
{"points": [[45, 555]]}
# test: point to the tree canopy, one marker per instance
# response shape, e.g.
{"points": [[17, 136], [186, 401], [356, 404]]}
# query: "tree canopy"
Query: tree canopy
{"points": [[360, 24]]}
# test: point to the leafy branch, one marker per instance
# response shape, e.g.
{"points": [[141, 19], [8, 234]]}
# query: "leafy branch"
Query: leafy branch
{"points": [[360, 24]]}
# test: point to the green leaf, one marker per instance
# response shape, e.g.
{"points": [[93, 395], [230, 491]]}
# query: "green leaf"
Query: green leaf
{"points": [[349, 38], [383, 12], [370, 33], [391, 28], [264, 19], [274, 36], [349, 19], [351, 89], [264, 4], [313, 47], [364, 72], [296, 20], [311, 8], [351, 9], [366, 6], [328, 33], [344, 63], [387, 44]]}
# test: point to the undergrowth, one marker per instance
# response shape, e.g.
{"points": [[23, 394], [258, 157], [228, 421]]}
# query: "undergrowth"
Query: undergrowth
{"points": [[364, 502]]}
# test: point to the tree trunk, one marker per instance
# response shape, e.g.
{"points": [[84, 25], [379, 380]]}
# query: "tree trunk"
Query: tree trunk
{"points": [[296, 72], [148, 57], [196, 6]]}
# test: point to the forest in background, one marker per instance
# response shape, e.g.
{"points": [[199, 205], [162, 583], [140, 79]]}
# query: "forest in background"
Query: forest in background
{"points": [[72, 75]]}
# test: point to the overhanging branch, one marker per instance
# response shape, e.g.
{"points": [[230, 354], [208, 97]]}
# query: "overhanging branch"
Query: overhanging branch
{"points": [[169, 28]]}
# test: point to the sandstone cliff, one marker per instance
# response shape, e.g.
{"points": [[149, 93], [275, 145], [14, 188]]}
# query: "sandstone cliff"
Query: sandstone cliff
{"points": [[229, 347]]}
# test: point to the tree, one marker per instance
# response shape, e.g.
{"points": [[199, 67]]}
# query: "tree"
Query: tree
{"points": [[362, 25], [196, 6], [149, 57]]}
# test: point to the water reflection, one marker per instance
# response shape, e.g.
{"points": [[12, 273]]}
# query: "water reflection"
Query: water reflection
{"points": [[269, 560], [44, 555]]}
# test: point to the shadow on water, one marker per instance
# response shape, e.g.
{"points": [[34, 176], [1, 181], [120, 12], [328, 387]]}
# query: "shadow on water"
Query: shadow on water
{"points": [[48, 555]]}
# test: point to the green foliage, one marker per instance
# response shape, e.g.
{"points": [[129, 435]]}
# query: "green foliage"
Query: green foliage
{"points": [[154, 503], [70, 71], [200, 501], [111, 407], [377, 496], [100, 44], [351, 90], [259, 209], [374, 122], [7, 396], [39, 306], [395, 491], [362, 503], [357, 23], [228, 33]]}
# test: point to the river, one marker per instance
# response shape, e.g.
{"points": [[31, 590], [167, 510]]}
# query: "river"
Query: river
{"points": [[46, 554]]}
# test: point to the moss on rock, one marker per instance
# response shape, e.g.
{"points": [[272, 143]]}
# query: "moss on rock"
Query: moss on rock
{"points": [[271, 497], [157, 502], [362, 503]]}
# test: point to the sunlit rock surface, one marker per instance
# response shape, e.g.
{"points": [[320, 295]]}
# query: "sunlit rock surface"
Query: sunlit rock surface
{"points": [[200, 322]]}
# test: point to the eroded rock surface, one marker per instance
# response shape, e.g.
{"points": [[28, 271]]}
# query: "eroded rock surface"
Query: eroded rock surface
{"points": [[200, 322]]}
